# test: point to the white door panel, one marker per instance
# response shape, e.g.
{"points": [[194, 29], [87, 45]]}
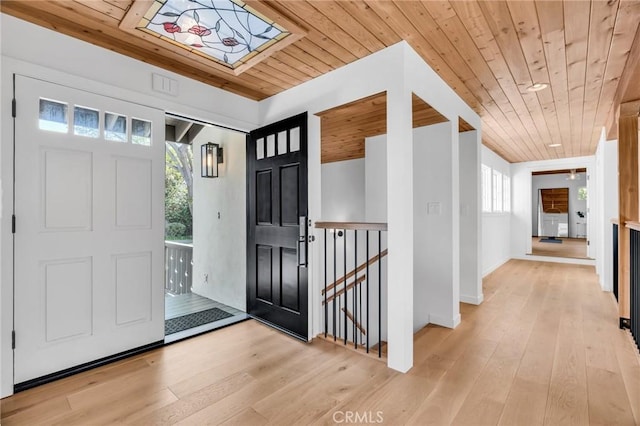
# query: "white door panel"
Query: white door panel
{"points": [[89, 242]]}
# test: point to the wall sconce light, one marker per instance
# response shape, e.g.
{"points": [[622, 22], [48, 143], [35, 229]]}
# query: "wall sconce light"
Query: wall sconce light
{"points": [[211, 157], [573, 175]]}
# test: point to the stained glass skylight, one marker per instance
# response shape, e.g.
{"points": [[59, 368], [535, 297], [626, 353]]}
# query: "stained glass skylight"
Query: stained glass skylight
{"points": [[227, 31]]}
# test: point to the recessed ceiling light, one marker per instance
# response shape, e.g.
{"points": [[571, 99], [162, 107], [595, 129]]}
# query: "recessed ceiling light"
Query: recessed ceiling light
{"points": [[555, 145], [535, 87]]}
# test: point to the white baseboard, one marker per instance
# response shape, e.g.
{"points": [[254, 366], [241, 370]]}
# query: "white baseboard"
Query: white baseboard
{"points": [[473, 300], [494, 267], [445, 322]]}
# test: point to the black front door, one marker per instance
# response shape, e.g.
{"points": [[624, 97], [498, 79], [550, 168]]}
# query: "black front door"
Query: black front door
{"points": [[277, 225]]}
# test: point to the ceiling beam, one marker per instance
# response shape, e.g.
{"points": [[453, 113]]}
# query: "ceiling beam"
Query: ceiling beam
{"points": [[182, 127]]}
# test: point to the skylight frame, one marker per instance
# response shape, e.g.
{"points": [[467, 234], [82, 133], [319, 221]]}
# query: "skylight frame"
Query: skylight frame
{"points": [[141, 11]]}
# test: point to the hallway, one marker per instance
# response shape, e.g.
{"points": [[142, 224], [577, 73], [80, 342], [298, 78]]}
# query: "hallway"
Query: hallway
{"points": [[544, 348]]}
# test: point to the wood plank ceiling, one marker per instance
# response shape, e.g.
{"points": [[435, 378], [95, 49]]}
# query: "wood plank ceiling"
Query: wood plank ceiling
{"points": [[489, 52], [344, 128]]}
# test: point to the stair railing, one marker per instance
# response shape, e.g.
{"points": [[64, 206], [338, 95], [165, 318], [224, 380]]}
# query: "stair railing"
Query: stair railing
{"points": [[353, 290], [614, 252], [633, 322]]}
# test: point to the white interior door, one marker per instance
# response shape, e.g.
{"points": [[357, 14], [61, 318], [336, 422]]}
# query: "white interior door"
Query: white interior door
{"points": [[89, 241]]}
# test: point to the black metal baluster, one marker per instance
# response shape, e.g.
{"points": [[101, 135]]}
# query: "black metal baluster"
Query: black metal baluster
{"points": [[634, 322], [344, 264], [367, 278], [360, 312], [326, 310], [379, 295], [354, 293], [634, 283], [335, 267], [615, 260]]}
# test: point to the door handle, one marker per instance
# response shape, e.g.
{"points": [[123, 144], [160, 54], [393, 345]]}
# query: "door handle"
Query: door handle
{"points": [[301, 245]]}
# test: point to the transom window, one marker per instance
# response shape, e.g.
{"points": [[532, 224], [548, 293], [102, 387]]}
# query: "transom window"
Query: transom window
{"points": [[56, 116], [278, 144]]}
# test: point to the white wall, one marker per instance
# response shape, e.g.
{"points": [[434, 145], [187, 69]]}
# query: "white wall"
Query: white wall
{"points": [[343, 191], [44, 54], [399, 71], [521, 218], [219, 243], [560, 181], [435, 211], [376, 178], [470, 218], [124, 75], [496, 227], [433, 215], [607, 189]]}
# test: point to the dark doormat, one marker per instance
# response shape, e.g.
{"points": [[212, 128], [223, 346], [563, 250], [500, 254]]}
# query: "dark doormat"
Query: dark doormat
{"points": [[186, 322], [550, 240]]}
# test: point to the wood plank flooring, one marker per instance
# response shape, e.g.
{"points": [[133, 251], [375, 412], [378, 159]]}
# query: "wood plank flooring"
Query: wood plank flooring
{"points": [[570, 247], [543, 349]]}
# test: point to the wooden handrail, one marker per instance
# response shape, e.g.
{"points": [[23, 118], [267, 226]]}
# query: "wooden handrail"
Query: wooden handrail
{"points": [[360, 226], [341, 291], [632, 225], [360, 268], [353, 320]]}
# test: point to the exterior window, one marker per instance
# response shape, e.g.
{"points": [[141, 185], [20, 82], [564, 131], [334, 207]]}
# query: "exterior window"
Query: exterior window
{"points": [[140, 132], [497, 191], [294, 139], [486, 188], [260, 149], [86, 122], [271, 145], [282, 142], [506, 192], [115, 127], [53, 116]]}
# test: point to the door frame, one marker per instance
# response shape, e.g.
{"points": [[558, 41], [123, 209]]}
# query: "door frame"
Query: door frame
{"points": [[527, 188]]}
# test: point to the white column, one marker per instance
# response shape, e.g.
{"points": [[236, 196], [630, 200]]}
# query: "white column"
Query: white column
{"points": [[314, 173], [400, 234], [454, 316], [470, 219]]}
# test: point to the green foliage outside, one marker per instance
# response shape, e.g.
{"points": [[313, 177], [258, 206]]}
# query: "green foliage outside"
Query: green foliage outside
{"points": [[582, 194], [178, 195]]}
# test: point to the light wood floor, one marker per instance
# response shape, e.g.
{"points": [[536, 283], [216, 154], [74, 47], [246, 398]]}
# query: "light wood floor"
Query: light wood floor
{"points": [[544, 348], [570, 247]]}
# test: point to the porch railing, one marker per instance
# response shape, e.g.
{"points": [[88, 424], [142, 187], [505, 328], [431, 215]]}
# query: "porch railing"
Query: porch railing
{"points": [[353, 294], [178, 263]]}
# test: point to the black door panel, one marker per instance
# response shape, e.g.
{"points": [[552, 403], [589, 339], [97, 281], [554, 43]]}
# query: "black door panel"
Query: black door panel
{"points": [[277, 278]]}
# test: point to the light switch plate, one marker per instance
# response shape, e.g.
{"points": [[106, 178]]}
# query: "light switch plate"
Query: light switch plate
{"points": [[433, 208]]}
